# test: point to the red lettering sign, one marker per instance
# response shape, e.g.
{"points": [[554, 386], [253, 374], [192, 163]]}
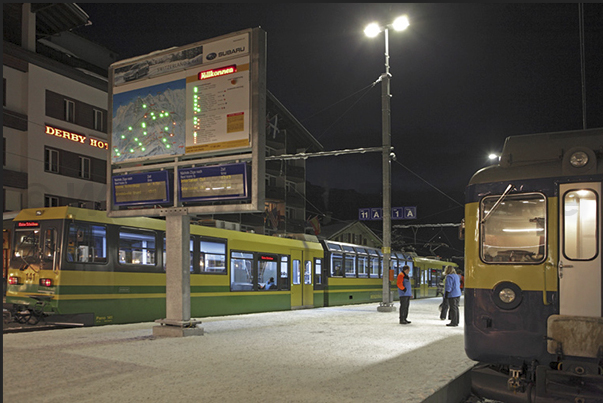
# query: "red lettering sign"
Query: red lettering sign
{"points": [[28, 224], [222, 71]]}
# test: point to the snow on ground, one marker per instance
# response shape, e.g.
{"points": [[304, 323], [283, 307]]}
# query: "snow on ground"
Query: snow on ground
{"points": [[351, 353]]}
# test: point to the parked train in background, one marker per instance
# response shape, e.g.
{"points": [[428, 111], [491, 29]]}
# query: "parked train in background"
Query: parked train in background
{"points": [[112, 270], [534, 270]]}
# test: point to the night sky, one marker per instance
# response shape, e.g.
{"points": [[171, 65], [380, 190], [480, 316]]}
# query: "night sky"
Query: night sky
{"points": [[464, 77]]}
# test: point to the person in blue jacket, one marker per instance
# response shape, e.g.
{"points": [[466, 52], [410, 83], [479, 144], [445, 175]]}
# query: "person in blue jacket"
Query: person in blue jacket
{"points": [[452, 293], [404, 292]]}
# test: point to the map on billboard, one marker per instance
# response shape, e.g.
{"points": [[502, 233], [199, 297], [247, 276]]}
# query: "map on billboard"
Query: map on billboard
{"points": [[149, 122]]}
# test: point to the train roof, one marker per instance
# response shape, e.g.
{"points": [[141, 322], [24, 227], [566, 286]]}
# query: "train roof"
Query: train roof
{"points": [[545, 155], [80, 214]]}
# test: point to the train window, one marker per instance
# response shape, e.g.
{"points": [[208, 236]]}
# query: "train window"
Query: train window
{"points": [[267, 273], [308, 272], [363, 266], [137, 247], [28, 244], [241, 271], [580, 225], [87, 243], [50, 248], [336, 265], [296, 272], [375, 266], [350, 266], [213, 257], [333, 246], [347, 248], [284, 283], [514, 231], [192, 245], [317, 271]]}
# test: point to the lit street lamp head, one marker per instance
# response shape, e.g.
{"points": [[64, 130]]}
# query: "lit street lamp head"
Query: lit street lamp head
{"points": [[399, 24], [372, 30]]}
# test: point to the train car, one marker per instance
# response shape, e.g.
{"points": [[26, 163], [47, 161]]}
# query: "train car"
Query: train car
{"points": [[429, 276], [533, 274], [112, 270], [353, 273], [83, 262]]}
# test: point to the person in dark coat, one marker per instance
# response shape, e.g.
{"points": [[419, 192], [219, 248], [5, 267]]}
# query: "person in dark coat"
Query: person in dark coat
{"points": [[453, 295], [404, 292]]}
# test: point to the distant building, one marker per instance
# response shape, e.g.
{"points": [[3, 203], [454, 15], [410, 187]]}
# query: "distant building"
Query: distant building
{"points": [[55, 126], [354, 232]]}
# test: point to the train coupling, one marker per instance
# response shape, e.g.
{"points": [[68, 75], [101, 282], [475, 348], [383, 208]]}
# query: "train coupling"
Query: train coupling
{"points": [[514, 383]]}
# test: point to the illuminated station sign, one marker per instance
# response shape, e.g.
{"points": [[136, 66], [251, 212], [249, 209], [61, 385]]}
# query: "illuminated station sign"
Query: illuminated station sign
{"points": [[141, 188], [213, 182]]}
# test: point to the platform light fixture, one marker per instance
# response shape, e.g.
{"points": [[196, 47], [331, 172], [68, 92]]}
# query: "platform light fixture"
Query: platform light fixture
{"points": [[372, 30]]}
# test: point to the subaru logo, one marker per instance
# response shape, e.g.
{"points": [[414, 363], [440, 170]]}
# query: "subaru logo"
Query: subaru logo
{"points": [[211, 56]]}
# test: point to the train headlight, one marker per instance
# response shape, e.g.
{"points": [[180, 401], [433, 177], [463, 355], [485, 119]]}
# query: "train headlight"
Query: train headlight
{"points": [[579, 159], [12, 280], [507, 295]]}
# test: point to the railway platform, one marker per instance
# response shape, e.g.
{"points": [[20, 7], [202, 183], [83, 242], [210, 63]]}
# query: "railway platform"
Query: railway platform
{"points": [[350, 353]]}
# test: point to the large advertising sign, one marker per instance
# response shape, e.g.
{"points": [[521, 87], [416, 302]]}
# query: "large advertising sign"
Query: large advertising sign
{"points": [[188, 101], [184, 108]]}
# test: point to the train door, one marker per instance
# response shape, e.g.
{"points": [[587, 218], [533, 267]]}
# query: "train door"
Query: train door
{"points": [[302, 293], [580, 262], [320, 283]]}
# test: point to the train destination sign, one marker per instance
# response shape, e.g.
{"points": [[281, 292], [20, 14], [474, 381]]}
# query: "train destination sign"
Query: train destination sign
{"points": [[213, 182], [141, 188]]}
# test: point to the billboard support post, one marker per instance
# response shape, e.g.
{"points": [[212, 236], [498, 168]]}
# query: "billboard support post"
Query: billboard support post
{"points": [[177, 278]]}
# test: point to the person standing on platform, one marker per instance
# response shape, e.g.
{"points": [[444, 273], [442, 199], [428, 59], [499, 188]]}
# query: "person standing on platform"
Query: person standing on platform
{"points": [[444, 304], [404, 292], [452, 294]]}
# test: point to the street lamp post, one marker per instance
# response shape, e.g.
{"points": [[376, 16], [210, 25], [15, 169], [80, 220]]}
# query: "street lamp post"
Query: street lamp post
{"points": [[373, 30]]}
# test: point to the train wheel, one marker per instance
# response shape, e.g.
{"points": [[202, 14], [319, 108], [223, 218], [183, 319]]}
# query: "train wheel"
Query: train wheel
{"points": [[34, 319], [23, 316]]}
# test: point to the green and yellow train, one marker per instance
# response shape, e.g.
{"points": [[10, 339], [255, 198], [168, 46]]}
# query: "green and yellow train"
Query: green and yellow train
{"points": [[112, 270]]}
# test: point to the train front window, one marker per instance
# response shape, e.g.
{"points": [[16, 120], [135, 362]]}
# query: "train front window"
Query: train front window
{"points": [[513, 231], [580, 225], [28, 245]]}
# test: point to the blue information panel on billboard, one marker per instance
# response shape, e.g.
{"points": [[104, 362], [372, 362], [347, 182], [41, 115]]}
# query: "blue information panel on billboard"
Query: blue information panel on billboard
{"points": [[141, 188], [218, 182]]}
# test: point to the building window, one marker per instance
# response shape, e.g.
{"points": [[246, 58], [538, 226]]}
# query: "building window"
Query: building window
{"points": [[51, 201], [98, 120], [69, 111], [51, 160], [84, 168], [290, 186]]}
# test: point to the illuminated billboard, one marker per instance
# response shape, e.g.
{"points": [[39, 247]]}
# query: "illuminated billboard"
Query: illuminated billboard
{"points": [[182, 109], [182, 102]]}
